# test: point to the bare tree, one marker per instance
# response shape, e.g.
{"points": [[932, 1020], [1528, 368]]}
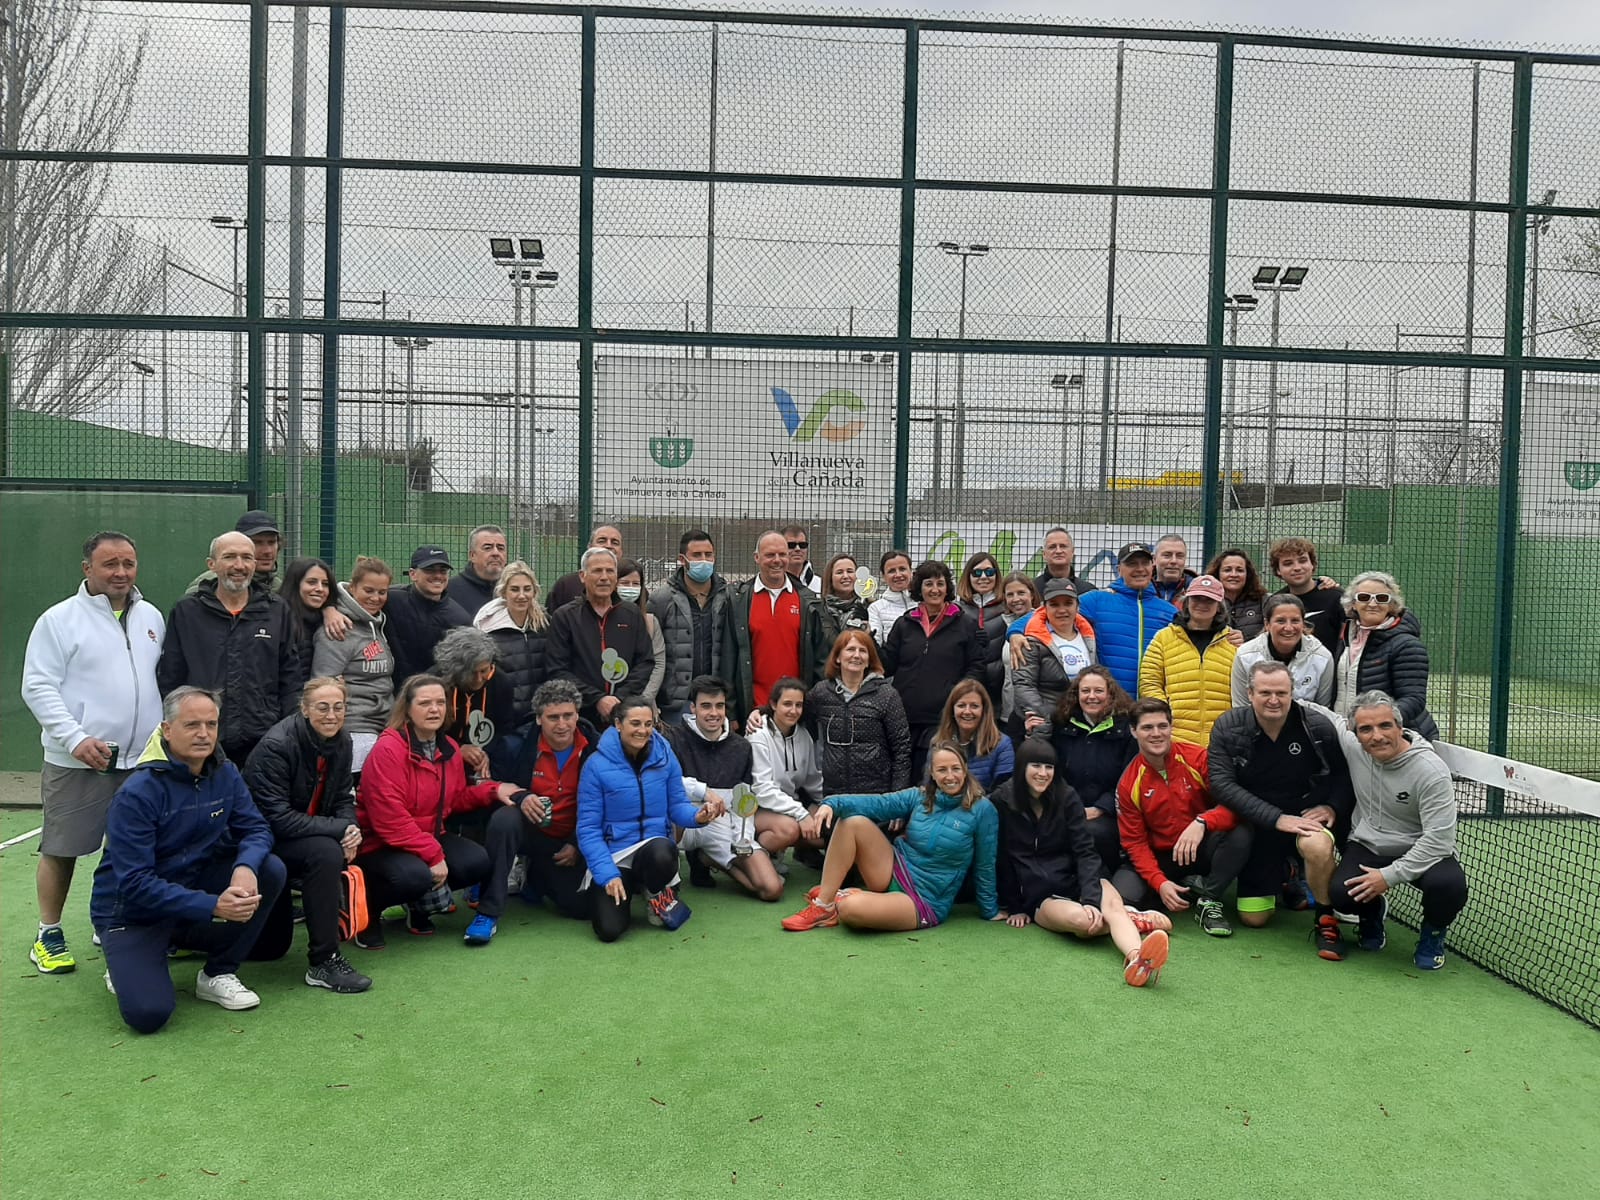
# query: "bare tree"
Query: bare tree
{"points": [[1436, 457], [1582, 314], [67, 92]]}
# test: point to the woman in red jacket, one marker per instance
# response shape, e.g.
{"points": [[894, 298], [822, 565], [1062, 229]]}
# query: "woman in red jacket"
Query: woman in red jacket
{"points": [[414, 781]]}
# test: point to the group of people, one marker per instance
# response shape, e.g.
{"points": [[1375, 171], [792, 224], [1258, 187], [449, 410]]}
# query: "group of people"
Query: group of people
{"points": [[285, 743]]}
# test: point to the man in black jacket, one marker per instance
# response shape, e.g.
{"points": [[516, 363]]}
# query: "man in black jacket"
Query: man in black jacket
{"points": [[486, 559], [1279, 766], [233, 637], [1060, 561], [689, 609], [299, 777], [419, 615], [599, 643]]}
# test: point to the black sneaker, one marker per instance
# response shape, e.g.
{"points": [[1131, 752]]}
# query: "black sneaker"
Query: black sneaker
{"points": [[1208, 913], [700, 874], [337, 975], [419, 923], [1325, 933], [371, 938]]}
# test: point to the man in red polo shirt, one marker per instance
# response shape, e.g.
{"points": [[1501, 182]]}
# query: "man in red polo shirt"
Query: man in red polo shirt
{"points": [[772, 627], [540, 822]]}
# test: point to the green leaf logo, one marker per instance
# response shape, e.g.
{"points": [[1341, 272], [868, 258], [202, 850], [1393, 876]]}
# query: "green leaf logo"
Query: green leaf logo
{"points": [[1583, 475]]}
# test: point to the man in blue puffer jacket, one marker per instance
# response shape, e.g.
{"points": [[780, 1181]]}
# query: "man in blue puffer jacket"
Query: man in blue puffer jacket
{"points": [[1127, 615], [188, 862]]}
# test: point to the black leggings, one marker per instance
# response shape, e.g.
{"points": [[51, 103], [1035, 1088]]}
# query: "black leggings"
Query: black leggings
{"points": [[1218, 861], [1443, 886], [318, 863], [654, 865], [400, 877]]}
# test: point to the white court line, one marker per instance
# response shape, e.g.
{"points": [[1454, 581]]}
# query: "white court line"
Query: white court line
{"points": [[32, 833]]}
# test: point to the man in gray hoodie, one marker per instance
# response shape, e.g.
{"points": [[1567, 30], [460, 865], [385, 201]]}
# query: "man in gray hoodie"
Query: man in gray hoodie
{"points": [[1404, 830]]}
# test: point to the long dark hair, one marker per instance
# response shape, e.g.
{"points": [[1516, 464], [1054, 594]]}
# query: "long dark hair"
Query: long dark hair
{"points": [[293, 575]]}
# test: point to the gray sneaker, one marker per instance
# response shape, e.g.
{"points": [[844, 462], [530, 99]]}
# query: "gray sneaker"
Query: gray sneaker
{"points": [[337, 975]]}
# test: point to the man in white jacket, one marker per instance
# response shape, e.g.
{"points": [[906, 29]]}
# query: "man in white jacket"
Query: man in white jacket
{"points": [[89, 678], [1404, 829]]}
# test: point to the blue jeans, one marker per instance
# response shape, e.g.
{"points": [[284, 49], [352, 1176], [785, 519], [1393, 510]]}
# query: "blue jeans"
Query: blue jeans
{"points": [[136, 955]]}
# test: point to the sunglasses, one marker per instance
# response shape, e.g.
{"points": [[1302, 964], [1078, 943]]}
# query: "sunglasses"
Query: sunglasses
{"points": [[798, 545], [982, 572], [1373, 597]]}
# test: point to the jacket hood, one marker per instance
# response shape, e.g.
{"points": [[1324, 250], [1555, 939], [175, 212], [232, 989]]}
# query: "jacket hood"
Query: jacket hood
{"points": [[157, 755], [1038, 627], [727, 729], [494, 615], [871, 683], [346, 603]]}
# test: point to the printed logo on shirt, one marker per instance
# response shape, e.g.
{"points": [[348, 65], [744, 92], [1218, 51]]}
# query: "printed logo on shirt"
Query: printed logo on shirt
{"points": [[263, 635], [372, 650], [1402, 796], [151, 634], [1295, 748], [220, 811]]}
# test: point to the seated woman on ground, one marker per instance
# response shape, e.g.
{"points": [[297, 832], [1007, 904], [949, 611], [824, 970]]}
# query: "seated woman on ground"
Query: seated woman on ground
{"points": [[787, 774], [909, 883], [414, 785], [1048, 872], [969, 722], [630, 795]]}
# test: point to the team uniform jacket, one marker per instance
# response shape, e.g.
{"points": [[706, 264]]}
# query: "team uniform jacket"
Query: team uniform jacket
{"points": [[1152, 812]]}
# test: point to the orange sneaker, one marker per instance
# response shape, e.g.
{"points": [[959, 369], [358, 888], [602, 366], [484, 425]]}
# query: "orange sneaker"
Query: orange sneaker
{"points": [[812, 916], [1147, 920], [1144, 964]]}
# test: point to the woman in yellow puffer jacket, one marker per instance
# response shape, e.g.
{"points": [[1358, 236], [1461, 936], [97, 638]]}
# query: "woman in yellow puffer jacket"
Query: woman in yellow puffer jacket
{"points": [[1189, 664]]}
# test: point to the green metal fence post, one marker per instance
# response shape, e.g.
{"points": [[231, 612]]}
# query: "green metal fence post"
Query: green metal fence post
{"points": [[586, 132], [908, 234], [1510, 420], [255, 261], [328, 515], [1211, 445]]}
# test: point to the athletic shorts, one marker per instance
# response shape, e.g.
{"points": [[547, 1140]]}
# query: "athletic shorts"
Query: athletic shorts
{"points": [[900, 881], [75, 801], [1266, 870]]}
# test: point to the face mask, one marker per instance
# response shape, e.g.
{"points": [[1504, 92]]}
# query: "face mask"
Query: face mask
{"points": [[700, 571], [630, 594]]}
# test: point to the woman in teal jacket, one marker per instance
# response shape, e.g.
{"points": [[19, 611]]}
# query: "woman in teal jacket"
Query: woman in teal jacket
{"points": [[912, 882]]}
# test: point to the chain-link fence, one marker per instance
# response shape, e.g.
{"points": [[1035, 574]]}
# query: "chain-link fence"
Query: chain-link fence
{"points": [[393, 272]]}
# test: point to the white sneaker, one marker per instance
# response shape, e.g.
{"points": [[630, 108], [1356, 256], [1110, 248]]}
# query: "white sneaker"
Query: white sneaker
{"points": [[517, 877], [97, 939], [227, 990], [110, 987]]}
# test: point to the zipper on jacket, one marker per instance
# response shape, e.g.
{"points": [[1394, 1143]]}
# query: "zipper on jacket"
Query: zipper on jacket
{"points": [[133, 667]]}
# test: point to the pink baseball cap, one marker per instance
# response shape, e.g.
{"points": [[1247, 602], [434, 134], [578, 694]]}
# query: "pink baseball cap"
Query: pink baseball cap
{"points": [[1208, 586]]}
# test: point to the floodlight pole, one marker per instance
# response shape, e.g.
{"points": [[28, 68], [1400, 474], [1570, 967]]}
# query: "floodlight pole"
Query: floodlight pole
{"points": [[1268, 279], [236, 401], [1111, 286]]}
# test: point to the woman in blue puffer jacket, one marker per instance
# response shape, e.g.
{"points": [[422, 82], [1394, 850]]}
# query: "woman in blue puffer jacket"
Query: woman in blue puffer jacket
{"points": [[912, 882], [629, 797]]}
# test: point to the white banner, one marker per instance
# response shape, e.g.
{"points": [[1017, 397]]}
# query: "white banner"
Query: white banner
{"points": [[1020, 547], [1560, 460], [746, 439]]}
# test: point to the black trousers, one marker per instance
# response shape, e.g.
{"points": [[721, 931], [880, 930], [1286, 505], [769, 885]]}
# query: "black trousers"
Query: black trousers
{"points": [[317, 862], [654, 865], [509, 834], [1443, 886], [1218, 861], [400, 877], [1107, 843]]}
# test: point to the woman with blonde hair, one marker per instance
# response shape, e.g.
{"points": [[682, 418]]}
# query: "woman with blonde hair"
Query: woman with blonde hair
{"points": [[1381, 650], [519, 625], [364, 659]]}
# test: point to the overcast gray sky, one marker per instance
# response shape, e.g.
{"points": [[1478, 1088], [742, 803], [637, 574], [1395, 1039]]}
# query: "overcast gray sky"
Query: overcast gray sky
{"points": [[1521, 22]]}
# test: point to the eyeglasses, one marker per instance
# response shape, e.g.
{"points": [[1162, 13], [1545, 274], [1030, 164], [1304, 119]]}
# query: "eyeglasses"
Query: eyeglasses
{"points": [[799, 545], [1373, 597], [323, 710], [983, 572]]}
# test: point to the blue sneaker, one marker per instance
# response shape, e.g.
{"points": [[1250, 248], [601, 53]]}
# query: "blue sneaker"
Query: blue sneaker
{"points": [[1430, 949], [666, 910], [472, 894], [481, 930]]}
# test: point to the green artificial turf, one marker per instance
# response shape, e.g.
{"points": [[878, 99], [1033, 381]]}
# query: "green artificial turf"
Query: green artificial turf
{"points": [[731, 1058]]}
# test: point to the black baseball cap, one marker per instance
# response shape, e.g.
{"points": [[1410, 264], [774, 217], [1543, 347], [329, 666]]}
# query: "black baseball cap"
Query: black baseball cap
{"points": [[430, 556], [1059, 587], [257, 522], [1133, 550]]}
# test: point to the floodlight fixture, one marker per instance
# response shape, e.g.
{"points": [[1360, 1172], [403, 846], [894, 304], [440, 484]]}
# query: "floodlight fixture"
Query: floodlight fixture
{"points": [[1293, 277], [500, 249], [1265, 276], [143, 368], [1240, 302], [949, 247], [545, 278], [531, 249]]}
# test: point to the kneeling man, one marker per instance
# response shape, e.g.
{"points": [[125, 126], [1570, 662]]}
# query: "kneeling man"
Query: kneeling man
{"points": [[188, 862]]}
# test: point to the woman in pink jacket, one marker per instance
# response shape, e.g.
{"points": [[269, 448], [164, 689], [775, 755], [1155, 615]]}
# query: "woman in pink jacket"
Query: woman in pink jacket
{"points": [[413, 783]]}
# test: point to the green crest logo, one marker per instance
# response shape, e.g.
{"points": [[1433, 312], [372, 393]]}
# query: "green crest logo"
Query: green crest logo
{"points": [[1583, 475], [671, 452]]}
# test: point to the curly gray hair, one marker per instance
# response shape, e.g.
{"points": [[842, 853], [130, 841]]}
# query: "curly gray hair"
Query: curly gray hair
{"points": [[460, 651]]}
